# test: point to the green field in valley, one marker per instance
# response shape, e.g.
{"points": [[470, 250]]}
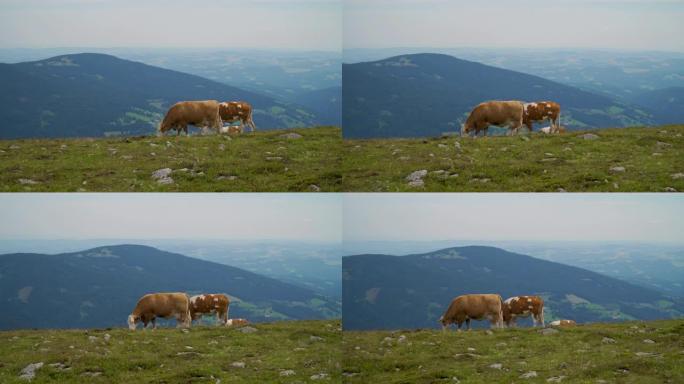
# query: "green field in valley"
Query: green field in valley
{"points": [[630, 352], [291, 351], [294, 160], [606, 160]]}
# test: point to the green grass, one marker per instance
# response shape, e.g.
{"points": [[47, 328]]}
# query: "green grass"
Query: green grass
{"points": [[256, 162], [542, 163], [163, 356], [579, 354]]}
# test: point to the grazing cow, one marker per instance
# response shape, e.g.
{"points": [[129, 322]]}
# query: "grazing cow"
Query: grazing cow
{"points": [[563, 323], [236, 322], [499, 113], [476, 307], [237, 111], [198, 113], [523, 306], [210, 303], [162, 305], [541, 111]]}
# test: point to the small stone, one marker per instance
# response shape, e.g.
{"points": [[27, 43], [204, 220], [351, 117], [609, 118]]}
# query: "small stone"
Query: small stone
{"points": [[248, 329], [529, 375], [489, 332], [314, 188], [238, 364], [471, 349], [28, 182], [457, 145], [319, 376], [29, 371], [669, 189], [230, 177], [496, 366], [525, 138], [589, 136], [92, 339], [416, 183], [561, 190], [661, 144], [315, 338], [440, 145], [291, 135], [417, 175], [401, 339], [107, 336], [162, 173], [548, 331], [649, 341], [222, 147], [617, 169], [14, 146], [676, 176], [555, 379], [608, 340], [453, 175], [287, 372]]}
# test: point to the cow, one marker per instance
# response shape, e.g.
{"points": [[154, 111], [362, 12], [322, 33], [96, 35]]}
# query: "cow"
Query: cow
{"points": [[210, 303], [163, 305], [476, 307], [563, 323], [232, 129], [523, 306], [499, 113], [541, 111], [198, 113], [237, 111], [548, 130], [236, 322]]}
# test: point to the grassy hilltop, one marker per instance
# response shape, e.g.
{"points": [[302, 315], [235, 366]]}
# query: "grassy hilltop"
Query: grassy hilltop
{"points": [[277, 352], [264, 161], [642, 159], [633, 352]]}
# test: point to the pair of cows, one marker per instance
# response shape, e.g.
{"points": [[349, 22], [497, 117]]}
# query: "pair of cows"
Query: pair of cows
{"points": [[208, 113], [513, 114], [493, 308], [182, 307]]}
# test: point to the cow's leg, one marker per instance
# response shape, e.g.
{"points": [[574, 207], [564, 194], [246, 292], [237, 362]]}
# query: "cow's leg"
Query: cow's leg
{"points": [[468, 323], [154, 323]]}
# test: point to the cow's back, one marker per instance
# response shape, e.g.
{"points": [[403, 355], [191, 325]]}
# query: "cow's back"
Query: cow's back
{"points": [[163, 304], [475, 306]]}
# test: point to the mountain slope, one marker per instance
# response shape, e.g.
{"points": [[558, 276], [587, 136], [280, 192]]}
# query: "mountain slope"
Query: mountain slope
{"points": [[382, 291], [667, 104], [99, 287], [325, 103], [427, 94], [94, 94]]}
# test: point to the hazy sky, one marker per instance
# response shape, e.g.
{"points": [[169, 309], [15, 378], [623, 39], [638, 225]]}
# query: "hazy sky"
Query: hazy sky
{"points": [[239, 216], [604, 24], [267, 24], [505, 216]]}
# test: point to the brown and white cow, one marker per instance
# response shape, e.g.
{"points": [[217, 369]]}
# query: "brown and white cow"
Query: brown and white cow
{"points": [[500, 113], [563, 323], [236, 322], [474, 306], [210, 303], [542, 111], [523, 306], [201, 114], [162, 305], [237, 111]]}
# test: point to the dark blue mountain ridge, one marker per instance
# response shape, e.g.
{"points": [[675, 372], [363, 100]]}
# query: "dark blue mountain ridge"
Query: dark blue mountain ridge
{"points": [[100, 286], [392, 292], [93, 94], [428, 94]]}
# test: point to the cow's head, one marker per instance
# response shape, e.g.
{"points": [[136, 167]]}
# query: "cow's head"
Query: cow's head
{"points": [[132, 319], [443, 322]]}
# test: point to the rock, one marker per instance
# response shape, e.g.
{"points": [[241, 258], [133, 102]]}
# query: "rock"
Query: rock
{"points": [[91, 374], [548, 331], [548, 154], [315, 338], [60, 366], [230, 177], [496, 366], [238, 364], [561, 190], [470, 349], [29, 371], [457, 145], [404, 158], [416, 183], [314, 188], [555, 379], [165, 180], [616, 185], [28, 182], [107, 336], [617, 169], [287, 372], [455, 380], [401, 339], [126, 157], [589, 136], [608, 340], [669, 189], [274, 158], [417, 175], [162, 173], [453, 175], [649, 341], [387, 340], [525, 138], [222, 147], [185, 330], [438, 172], [319, 376], [489, 332], [661, 144], [291, 135], [92, 339], [248, 329], [501, 344], [529, 375], [676, 176], [14, 146], [440, 145], [656, 154]]}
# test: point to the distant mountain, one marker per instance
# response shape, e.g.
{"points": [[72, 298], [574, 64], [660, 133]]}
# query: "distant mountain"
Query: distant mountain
{"points": [[326, 104], [95, 94], [390, 292], [667, 104], [427, 94], [99, 287]]}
